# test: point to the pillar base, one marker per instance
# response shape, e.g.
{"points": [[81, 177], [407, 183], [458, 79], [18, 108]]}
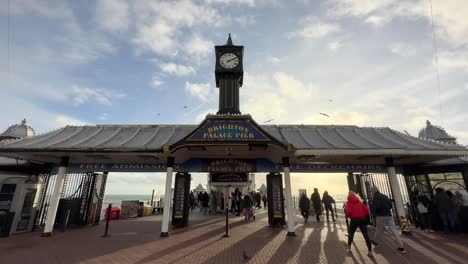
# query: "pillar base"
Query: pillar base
{"points": [[164, 234], [225, 235], [48, 234], [293, 234]]}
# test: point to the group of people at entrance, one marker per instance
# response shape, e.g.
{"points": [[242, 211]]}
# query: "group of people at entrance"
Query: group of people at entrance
{"points": [[326, 200], [245, 205], [443, 212], [360, 214]]}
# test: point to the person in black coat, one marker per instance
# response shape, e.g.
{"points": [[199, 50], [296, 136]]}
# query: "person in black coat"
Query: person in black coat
{"points": [[304, 205], [316, 203], [328, 202]]}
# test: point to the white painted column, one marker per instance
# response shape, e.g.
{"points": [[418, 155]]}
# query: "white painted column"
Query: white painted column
{"points": [[54, 201], [167, 198], [396, 191], [289, 202]]}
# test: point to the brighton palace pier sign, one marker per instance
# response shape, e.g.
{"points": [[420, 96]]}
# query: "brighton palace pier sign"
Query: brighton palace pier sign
{"points": [[227, 130]]}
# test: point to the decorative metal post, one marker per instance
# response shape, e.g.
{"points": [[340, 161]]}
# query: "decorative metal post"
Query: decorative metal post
{"points": [[108, 214]]}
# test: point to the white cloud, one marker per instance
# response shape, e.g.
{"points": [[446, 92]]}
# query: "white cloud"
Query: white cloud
{"points": [[289, 99], [449, 15], [176, 69], [334, 46], [103, 116], [376, 21], [198, 47], [453, 59], [245, 20], [112, 15], [156, 82], [83, 95], [42, 120], [274, 59], [63, 120], [160, 25], [312, 27], [402, 49], [227, 2], [202, 91]]}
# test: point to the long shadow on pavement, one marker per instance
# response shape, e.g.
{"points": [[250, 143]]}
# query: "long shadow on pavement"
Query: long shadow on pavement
{"points": [[187, 243]]}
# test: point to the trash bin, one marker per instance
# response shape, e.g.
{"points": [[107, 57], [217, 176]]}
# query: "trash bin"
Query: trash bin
{"points": [[114, 213], [140, 209], [147, 210]]}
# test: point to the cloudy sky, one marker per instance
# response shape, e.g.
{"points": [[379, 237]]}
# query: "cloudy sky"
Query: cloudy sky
{"points": [[363, 62]]}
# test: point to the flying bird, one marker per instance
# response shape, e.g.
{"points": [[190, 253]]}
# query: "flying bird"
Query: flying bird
{"points": [[159, 114], [330, 100], [268, 121], [324, 114], [185, 106]]}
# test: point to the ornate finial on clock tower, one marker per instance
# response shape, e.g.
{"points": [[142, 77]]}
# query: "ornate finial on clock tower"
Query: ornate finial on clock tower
{"points": [[229, 76], [229, 41]]}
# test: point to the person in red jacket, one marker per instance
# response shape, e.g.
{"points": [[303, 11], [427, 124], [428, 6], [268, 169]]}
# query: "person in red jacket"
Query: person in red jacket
{"points": [[358, 212]]}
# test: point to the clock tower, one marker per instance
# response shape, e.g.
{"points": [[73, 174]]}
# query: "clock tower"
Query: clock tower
{"points": [[229, 74]]}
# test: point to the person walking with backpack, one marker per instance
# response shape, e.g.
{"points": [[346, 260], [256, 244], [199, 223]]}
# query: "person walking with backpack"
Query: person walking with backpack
{"points": [[382, 206], [358, 212], [304, 205]]}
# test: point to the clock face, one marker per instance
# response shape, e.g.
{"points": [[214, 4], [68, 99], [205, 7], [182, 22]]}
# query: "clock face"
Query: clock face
{"points": [[229, 60]]}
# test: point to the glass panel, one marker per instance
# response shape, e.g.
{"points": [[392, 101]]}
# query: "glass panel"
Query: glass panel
{"points": [[28, 202], [436, 176], [450, 185], [464, 193], [421, 178], [453, 175], [433, 183]]}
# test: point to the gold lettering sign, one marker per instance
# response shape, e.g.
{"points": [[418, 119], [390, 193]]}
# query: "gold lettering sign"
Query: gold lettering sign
{"points": [[228, 165]]}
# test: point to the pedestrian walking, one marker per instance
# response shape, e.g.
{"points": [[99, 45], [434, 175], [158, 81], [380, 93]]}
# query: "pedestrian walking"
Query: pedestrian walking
{"points": [[264, 199], [328, 202], [205, 202], [317, 204], [444, 207], [248, 207], [358, 212], [382, 206], [304, 206]]}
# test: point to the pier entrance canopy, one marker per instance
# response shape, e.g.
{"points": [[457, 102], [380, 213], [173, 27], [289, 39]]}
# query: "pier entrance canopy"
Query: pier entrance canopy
{"points": [[228, 145]]}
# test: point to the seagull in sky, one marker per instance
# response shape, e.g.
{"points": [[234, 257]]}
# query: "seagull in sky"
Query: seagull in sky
{"points": [[268, 121], [185, 106], [324, 114]]}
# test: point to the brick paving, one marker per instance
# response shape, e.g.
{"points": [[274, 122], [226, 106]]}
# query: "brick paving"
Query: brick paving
{"points": [[138, 241]]}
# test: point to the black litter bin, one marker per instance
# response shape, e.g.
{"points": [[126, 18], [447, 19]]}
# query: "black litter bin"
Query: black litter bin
{"points": [[140, 209], [6, 219]]}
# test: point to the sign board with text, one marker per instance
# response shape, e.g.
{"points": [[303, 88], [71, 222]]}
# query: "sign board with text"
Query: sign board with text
{"points": [[181, 202], [275, 199]]}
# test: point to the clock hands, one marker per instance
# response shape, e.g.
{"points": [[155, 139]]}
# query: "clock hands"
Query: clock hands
{"points": [[231, 59]]}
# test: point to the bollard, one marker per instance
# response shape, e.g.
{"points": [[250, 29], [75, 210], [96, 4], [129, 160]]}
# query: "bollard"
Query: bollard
{"points": [[227, 222], [106, 232]]}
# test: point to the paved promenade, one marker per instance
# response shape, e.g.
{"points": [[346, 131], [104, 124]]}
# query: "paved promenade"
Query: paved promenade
{"points": [[138, 241]]}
